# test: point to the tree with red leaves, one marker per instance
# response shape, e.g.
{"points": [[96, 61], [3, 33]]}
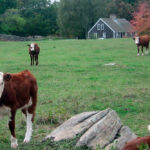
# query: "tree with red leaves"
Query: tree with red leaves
{"points": [[141, 19]]}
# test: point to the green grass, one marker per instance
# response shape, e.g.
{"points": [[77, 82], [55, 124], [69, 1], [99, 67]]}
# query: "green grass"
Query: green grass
{"points": [[72, 78]]}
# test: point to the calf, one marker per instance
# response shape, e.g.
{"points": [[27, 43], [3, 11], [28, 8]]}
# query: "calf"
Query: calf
{"points": [[18, 91], [142, 41], [137, 143], [34, 51]]}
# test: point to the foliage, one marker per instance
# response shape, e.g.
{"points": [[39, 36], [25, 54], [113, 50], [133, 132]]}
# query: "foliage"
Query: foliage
{"points": [[12, 23], [7, 4], [141, 20], [69, 18], [74, 19], [143, 147], [32, 17]]}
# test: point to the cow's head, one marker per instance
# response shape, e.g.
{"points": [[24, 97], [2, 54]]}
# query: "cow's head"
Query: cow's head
{"points": [[4, 77], [1, 78], [31, 46], [7, 77], [137, 40]]}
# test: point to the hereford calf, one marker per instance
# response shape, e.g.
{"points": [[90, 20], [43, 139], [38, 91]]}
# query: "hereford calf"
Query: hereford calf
{"points": [[136, 143], [18, 91], [34, 51], [142, 41]]}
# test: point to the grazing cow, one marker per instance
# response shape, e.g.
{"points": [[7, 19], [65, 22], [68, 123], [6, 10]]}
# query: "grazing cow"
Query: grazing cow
{"points": [[135, 144], [18, 91], [34, 51], [142, 41]]}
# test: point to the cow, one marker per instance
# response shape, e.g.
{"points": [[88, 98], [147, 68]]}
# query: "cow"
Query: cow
{"points": [[142, 41], [18, 91], [135, 144], [34, 51]]}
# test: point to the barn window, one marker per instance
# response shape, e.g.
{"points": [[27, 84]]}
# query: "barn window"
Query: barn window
{"points": [[102, 26], [98, 27]]}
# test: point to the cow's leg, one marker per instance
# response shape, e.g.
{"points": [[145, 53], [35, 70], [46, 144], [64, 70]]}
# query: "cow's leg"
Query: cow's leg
{"points": [[142, 50], [31, 57], [30, 116], [29, 127], [147, 50], [148, 127], [138, 50], [13, 139], [25, 113], [37, 60]]}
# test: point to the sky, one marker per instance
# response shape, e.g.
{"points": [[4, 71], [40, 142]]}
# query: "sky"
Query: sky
{"points": [[54, 0]]}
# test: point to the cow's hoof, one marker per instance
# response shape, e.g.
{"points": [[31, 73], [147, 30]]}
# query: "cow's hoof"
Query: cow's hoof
{"points": [[14, 145], [26, 141], [142, 54], [138, 54]]}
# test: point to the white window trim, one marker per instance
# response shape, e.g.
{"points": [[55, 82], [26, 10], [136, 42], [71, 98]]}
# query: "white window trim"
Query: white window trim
{"points": [[98, 27], [102, 26]]}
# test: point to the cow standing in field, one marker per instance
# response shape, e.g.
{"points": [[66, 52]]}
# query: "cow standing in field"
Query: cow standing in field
{"points": [[18, 91], [142, 41], [34, 51]]}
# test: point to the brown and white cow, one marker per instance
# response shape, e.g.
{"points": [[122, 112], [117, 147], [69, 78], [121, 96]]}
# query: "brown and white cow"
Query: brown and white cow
{"points": [[136, 143], [18, 91], [34, 51], [142, 41]]}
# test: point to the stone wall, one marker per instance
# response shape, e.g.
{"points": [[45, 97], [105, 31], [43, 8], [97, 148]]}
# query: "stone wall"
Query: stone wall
{"points": [[5, 37]]}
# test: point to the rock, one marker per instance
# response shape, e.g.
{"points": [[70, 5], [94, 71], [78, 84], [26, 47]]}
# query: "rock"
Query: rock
{"points": [[102, 132], [76, 125], [110, 64], [5, 37], [125, 135], [101, 129]]}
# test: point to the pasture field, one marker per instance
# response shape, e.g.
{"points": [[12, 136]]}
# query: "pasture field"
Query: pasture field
{"points": [[72, 78]]}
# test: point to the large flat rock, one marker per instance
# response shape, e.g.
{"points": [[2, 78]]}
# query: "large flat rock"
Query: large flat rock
{"points": [[76, 125], [102, 129], [102, 132]]}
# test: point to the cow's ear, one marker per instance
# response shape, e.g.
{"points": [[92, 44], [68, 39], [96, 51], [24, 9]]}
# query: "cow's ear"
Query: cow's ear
{"points": [[7, 77], [28, 45], [133, 38]]}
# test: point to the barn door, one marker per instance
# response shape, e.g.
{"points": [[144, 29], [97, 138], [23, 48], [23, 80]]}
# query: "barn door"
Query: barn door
{"points": [[104, 35], [95, 35]]}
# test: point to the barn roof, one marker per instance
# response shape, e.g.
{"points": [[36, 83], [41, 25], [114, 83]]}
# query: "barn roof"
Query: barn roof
{"points": [[118, 25]]}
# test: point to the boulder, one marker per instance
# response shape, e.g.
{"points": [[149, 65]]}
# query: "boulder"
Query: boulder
{"points": [[102, 129]]}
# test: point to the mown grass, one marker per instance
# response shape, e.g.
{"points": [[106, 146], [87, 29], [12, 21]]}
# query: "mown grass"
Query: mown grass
{"points": [[72, 78]]}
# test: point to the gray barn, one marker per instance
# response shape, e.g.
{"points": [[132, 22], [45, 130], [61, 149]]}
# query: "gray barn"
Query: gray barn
{"points": [[111, 28]]}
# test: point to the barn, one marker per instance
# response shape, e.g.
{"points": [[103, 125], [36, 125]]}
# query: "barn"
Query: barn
{"points": [[112, 27]]}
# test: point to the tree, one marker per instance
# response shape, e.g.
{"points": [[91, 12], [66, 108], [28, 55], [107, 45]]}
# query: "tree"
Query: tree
{"points": [[7, 4], [74, 17], [12, 23], [141, 19]]}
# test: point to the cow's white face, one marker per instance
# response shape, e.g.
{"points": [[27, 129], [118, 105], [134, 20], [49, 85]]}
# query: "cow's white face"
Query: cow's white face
{"points": [[137, 40], [32, 46], [1, 83]]}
